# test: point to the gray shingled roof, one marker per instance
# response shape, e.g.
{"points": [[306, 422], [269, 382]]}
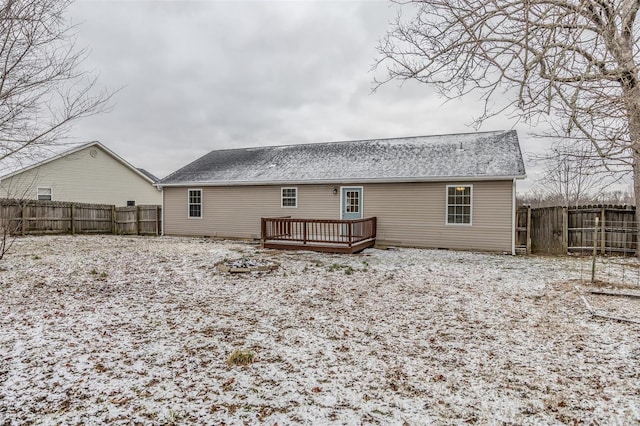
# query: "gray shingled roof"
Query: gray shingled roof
{"points": [[483, 155], [148, 174]]}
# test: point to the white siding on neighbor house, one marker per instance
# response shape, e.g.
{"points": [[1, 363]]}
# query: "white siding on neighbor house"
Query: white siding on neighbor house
{"points": [[81, 177], [409, 214]]}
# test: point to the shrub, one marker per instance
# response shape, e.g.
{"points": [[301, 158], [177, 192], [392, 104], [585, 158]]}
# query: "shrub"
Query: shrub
{"points": [[241, 357]]}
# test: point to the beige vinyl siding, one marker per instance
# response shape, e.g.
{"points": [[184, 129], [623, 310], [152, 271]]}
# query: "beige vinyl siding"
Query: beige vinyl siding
{"points": [[409, 214], [235, 211], [80, 177], [414, 214]]}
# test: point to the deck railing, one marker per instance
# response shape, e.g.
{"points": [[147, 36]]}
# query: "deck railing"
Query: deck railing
{"points": [[318, 231]]}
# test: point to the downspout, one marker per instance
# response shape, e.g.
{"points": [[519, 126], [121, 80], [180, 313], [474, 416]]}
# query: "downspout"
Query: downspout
{"points": [[513, 218]]}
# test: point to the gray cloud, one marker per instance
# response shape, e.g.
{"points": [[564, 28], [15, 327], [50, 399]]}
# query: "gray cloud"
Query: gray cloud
{"points": [[198, 76]]}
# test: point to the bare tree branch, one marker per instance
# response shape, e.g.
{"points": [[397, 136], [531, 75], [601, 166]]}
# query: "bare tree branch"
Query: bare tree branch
{"points": [[574, 64], [43, 88], [575, 173]]}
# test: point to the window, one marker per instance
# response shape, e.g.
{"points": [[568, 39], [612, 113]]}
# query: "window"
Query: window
{"points": [[44, 194], [195, 203], [459, 204], [352, 202], [131, 203], [289, 197]]}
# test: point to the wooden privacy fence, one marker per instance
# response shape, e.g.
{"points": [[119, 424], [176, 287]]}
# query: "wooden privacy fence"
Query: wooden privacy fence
{"points": [[29, 217], [563, 230]]}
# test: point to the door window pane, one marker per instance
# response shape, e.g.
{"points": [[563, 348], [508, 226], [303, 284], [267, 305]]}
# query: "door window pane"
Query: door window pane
{"points": [[353, 202]]}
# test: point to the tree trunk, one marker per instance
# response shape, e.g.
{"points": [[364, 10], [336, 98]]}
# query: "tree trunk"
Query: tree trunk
{"points": [[632, 104], [634, 133]]}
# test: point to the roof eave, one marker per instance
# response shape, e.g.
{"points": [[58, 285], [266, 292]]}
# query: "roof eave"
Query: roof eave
{"points": [[342, 181]]}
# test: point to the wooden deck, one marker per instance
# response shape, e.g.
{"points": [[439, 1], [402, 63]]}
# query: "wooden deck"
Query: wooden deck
{"points": [[333, 236]]}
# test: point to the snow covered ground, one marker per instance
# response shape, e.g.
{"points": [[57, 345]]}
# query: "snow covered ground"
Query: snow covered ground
{"points": [[125, 330]]}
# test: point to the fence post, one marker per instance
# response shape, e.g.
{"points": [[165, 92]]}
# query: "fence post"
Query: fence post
{"points": [[157, 220], [595, 251], [565, 230], [603, 236], [636, 249], [24, 218], [73, 219], [113, 219], [137, 219], [528, 242]]}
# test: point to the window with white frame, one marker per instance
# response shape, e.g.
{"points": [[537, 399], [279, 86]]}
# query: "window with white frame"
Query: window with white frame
{"points": [[44, 194], [195, 203], [459, 204], [289, 197]]}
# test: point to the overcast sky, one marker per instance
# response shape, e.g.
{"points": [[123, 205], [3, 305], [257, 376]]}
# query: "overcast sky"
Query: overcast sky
{"points": [[204, 75]]}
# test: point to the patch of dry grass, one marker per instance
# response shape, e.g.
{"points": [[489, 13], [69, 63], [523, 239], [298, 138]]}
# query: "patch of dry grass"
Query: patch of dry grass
{"points": [[241, 357]]}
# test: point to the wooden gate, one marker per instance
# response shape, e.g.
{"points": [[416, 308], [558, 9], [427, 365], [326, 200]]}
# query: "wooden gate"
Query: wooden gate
{"points": [[547, 230]]}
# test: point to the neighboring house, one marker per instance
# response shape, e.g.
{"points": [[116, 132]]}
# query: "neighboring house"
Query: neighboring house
{"points": [[88, 173], [449, 191]]}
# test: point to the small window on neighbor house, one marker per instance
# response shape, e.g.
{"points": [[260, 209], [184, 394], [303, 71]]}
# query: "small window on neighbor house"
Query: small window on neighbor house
{"points": [[44, 194], [195, 203], [459, 204], [289, 197], [131, 203]]}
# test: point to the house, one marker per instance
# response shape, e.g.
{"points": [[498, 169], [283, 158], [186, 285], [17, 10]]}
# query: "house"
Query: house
{"points": [[86, 173], [449, 191]]}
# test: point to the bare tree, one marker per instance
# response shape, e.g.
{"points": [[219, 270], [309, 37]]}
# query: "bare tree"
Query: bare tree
{"points": [[574, 174], [617, 197], [43, 88], [535, 198], [571, 63], [538, 197], [10, 223]]}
